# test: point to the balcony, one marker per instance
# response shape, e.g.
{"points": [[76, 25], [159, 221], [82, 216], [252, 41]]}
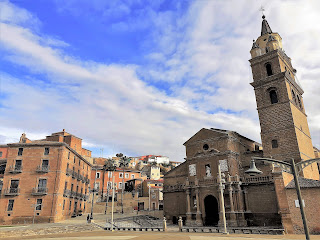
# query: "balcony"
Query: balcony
{"points": [[74, 175], [68, 172], [66, 193], [39, 191], [15, 169], [79, 177], [72, 194], [42, 169], [11, 192]]}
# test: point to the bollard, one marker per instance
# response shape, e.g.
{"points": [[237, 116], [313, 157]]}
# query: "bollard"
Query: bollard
{"points": [[180, 223], [164, 224]]}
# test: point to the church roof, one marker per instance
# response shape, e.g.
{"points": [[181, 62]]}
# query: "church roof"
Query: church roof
{"points": [[304, 183], [265, 27]]}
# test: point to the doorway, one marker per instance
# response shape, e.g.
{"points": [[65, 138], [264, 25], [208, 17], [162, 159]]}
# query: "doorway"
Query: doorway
{"points": [[211, 210]]}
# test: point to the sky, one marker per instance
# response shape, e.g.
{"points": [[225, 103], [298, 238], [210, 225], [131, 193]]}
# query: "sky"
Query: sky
{"points": [[142, 77]]}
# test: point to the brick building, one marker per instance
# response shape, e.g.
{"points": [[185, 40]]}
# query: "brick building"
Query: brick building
{"points": [[103, 180], [45, 180], [191, 189]]}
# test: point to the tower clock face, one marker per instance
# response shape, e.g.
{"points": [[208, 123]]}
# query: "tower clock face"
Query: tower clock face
{"points": [[192, 170]]}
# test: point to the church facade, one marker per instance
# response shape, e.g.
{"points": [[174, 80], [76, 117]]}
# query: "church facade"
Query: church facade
{"points": [[191, 190]]}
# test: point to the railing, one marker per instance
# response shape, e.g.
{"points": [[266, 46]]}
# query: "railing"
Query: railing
{"points": [[260, 179], [69, 172], [74, 174], [11, 191], [42, 169], [66, 193], [79, 177], [39, 191], [72, 194], [15, 169]]}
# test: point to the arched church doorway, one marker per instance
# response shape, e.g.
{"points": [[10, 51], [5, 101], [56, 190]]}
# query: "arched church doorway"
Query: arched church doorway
{"points": [[212, 211]]}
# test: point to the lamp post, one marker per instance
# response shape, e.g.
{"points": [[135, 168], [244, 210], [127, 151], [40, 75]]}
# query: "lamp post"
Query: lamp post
{"points": [[292, 168], [221, 188], [93, 191]]}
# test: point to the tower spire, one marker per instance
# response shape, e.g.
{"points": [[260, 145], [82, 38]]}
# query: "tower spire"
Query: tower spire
{"points": [[265, 26]]}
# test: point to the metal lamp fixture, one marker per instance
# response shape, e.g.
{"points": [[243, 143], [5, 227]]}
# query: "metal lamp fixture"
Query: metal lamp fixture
{"points": [[253, 170]]}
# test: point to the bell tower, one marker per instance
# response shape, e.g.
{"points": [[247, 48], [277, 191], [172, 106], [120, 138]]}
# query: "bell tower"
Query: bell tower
{"points": [[283, 120]]}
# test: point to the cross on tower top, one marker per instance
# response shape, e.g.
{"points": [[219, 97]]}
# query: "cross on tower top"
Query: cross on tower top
{"points": [[262, 10]]}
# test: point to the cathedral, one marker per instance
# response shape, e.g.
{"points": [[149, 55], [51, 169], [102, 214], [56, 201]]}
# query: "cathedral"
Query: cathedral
{"points": [[191, 190]]}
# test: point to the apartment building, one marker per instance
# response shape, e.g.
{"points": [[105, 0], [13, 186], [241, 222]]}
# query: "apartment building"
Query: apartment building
{"points": [[45, 180]]}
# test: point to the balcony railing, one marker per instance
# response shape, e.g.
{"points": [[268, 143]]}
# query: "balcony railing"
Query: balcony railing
{"points": [[79, 177], [11, 191], [42, 169], [15, 169], [73, 194], [74, 174], [66, 193], [69, 172], [39, 191]]}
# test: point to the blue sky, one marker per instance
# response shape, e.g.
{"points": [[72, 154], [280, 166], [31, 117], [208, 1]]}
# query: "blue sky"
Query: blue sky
{"points": [[141, 77]]}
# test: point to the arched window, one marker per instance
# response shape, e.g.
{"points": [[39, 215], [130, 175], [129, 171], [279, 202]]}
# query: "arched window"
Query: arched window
{"points": [[274, 143], [269, 69], [294, 97], [273, 96]]}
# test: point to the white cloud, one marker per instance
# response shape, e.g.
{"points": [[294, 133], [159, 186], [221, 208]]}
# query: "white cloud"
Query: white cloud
{"points": [[202, 57]]}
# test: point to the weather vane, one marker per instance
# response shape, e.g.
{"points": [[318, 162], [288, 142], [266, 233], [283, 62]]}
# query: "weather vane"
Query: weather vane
{"points": [[262, 10]]}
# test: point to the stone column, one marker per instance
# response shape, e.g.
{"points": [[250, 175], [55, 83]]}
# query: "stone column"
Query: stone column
{"points": [[188, 213], [240, 219], [198, 216], [232, 221]]}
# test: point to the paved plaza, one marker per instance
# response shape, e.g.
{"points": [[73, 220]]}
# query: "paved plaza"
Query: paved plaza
{"points": [[77, 228], [101, 234]]}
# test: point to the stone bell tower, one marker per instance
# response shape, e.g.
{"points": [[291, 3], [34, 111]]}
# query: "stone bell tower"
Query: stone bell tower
{"points": [[283, 120]]}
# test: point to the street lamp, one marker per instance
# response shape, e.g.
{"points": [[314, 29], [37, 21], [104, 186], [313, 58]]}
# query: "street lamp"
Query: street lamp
{"points": [[293, 169], [93, 191]]}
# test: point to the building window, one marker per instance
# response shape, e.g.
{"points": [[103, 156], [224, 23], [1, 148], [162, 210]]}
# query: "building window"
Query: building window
{"points": [[10, 204], [273, 96], [70, 206], [294, 97], [299, 102], [68, 155], [74, 159], [126, 175], [132, 176], [45, 164], [120, 185], [109, 174], [0, 154], [274, 143], [42, 185], [46, 151], [120, 175], [269, 69], [71, 187], [64, 203], [79, 162], [97, 175], [20, 151], [205, 147], [39, 204], [14, 186], [318, 167], [18, 165]]}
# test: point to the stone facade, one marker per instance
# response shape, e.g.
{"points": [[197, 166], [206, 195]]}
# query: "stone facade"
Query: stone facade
{"points": [[45, 180]]}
